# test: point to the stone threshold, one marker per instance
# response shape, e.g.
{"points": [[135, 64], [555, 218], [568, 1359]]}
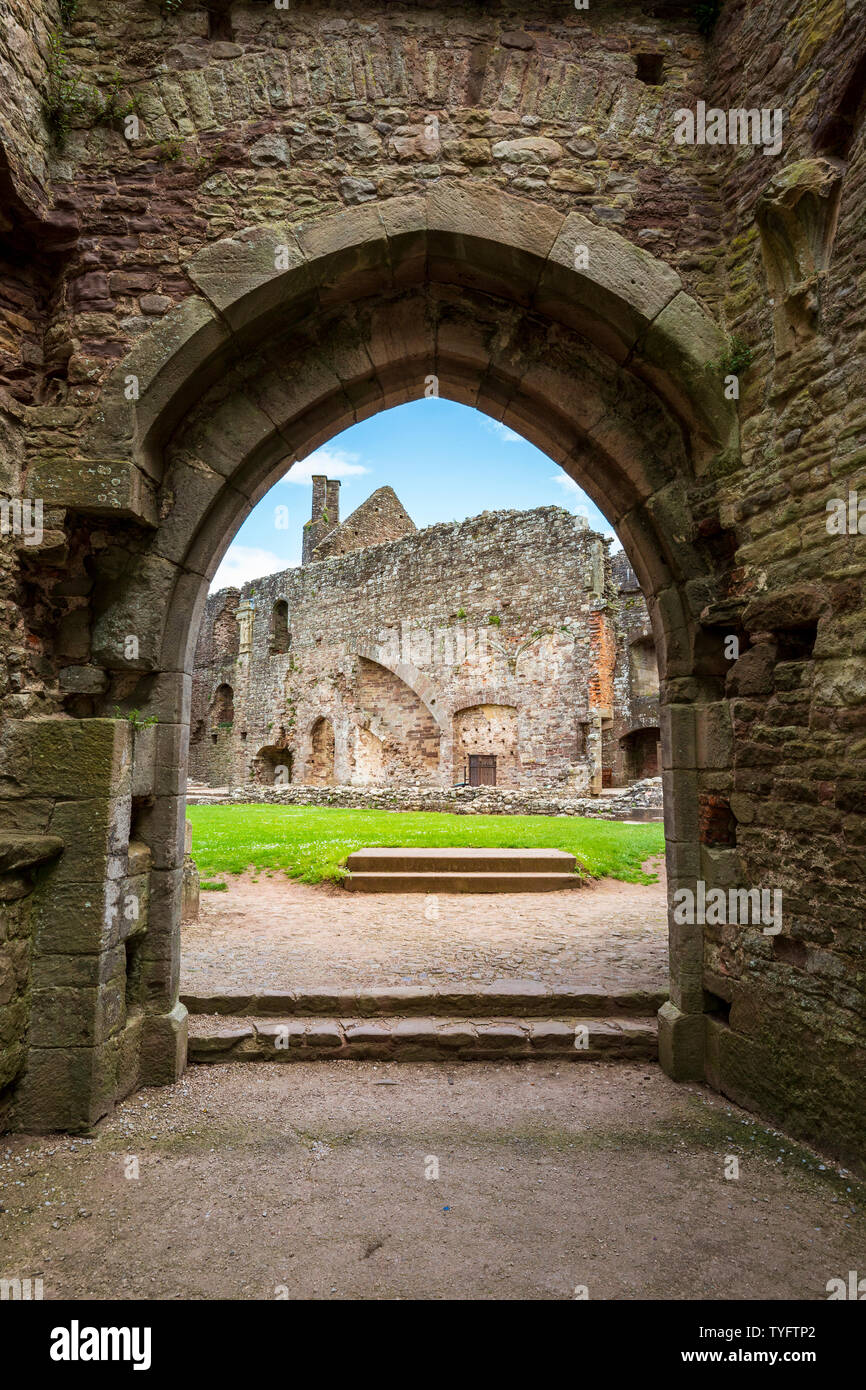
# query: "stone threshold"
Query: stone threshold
{"points": [[215, 1039], [520, 1000]]}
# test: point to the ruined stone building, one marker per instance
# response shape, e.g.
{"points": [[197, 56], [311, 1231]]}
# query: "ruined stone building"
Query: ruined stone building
{"points": [[507, 649], [314, 211]]}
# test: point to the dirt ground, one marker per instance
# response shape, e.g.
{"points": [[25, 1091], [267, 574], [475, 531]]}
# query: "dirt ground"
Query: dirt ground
{"points": [[275, 933], [308, 1181]]}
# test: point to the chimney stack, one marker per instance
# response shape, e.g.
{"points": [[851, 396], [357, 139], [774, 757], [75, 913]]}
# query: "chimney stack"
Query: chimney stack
{"points": [[332, 501], [325, 514]]}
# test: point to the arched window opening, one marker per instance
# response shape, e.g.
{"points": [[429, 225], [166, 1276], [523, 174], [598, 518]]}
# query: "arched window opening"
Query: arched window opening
{"points": [[280, 638], [223, 706]]}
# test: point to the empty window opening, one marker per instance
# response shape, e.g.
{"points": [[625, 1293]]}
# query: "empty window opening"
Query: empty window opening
{"points": [[279, 630], [219, 21], [272, 766], [649, 68], [223, 706], [643, 669], [134, 986], [796, 643], [717, 1008], [836, 133]]}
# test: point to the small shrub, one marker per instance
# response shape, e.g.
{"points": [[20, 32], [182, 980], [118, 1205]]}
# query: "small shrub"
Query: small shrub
{"points": [[65, 95], [738, 359], [169, 150], [136, 719], [109, 109], [707, 13]]}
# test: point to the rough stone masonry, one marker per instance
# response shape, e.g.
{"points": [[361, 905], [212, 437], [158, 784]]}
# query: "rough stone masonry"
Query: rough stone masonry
{"points": [[229, 232], [507, 650]]}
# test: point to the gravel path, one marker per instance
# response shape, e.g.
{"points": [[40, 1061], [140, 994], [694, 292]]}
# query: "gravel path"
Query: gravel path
{"points": [[266, 1181], [276, 933]]}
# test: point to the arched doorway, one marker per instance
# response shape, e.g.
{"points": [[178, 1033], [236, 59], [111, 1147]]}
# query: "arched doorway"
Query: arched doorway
{"points": [[272, 766], [320, 764], [609, 368]]}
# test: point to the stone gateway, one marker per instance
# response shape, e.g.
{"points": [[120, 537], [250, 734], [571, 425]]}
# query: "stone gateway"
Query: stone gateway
{"points": [[228, 236]]}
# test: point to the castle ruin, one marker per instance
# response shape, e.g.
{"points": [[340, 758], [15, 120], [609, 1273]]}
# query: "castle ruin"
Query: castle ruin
{"points": [[509, 649]]}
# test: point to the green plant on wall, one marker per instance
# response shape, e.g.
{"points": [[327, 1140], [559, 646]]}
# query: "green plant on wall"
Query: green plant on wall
{"points": [[169, 150], [136, 719], [706, 14], [738, 359], [110, 109], [67, 10], [65, 95]]}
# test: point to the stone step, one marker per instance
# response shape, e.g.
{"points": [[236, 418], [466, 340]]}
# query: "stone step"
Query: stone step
{"points": [[219, 1039], [515, 999], [462, 861], [460, 882]]}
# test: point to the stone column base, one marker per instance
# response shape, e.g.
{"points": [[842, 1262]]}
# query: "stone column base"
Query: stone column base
{"points": [[163, 1047], [681, 1043]]}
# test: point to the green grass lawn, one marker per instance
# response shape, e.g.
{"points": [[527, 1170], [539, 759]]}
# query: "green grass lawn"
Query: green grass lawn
{"points": [[311, 842]]}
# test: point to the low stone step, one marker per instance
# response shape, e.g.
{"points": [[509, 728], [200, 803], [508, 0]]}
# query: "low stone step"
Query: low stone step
{"points": [[219, 1039], [515, 999], [460, 882], [462, 860]]}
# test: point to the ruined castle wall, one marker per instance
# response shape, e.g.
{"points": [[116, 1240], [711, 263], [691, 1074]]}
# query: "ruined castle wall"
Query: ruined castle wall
{"points": [[791, 813], [633, 736], [480, 636]]}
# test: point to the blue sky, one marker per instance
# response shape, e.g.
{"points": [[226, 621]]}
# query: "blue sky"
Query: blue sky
{"points": [[445, 462]]}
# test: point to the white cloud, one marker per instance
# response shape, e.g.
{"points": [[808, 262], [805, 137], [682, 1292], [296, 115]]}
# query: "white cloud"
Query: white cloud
{"points": [[506, 435], [334, 463], [574, 491], [575, 495], [241, 563], [568, 485]]}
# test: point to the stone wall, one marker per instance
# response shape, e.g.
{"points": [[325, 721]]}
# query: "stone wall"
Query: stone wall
{"points": [[641, 801], [428, 172], [496, 636], [789, 1036]]}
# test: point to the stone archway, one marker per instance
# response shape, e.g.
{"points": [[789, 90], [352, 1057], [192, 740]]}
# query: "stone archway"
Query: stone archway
{"points": [[487, 730], [272, 766], [320, 763], [295, 334]]}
